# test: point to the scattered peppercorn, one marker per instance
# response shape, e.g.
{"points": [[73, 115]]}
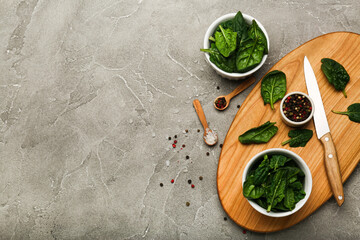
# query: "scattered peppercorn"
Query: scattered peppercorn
{"points": [[201, 178], [172, 180], [169, 138], [225, 218], [187, 204], [174, 146], [238, 106], [183, 145], [161, 184], [244, 231], [207, 153], [186, 130], [297, 107], [175, 136], [192, 185], [220, 145], [189, 181], [220, 102], [187, 157], [217, 87], [175, 141], [198, 130]]}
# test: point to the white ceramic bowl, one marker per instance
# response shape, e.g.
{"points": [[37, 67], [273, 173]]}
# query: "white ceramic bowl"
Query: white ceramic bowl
{"points": [[210, 31], [292, 123], [302, 165]]}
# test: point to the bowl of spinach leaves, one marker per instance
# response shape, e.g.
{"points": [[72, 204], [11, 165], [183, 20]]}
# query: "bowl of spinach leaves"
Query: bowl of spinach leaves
{"points": [[277, 182], [236, 45]]}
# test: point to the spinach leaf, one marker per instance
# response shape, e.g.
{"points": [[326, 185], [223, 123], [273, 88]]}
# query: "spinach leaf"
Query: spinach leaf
{"points": [[296, 185], [353, 111], [298, 137], [289, 200], [261, 134], [257, 34], [241, 27], [298, 195], [225, 41], [335, 74], [261, 202], [228, 24], [280, 207], [252, 49], [277, 161], [226, 64], [251, 191], [276, 192], [273, 87], [262, 171]]}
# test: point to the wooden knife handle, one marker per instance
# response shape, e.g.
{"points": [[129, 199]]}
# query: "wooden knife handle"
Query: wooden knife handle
{"points": [[332, 168]]}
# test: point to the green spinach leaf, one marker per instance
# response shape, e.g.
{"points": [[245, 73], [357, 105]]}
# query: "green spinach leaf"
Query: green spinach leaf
{"points": [[261, 134], [353, 111], [298, 195], [252, 49], [225, 41], [276, 192], [226, 64], [335, 74], [277, 161], [261, 173], [241, 27], [289, 200], [273, 87], [298, 137]]}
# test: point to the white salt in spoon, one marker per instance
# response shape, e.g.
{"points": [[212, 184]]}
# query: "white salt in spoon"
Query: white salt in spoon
{"points": [[210, 137]]}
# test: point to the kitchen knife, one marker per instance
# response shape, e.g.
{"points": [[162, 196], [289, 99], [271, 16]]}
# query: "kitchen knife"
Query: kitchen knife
{"points": [[323, 133]]}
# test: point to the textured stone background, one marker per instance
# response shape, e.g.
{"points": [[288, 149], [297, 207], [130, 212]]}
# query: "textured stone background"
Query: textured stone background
{"points": [[89, 93]]}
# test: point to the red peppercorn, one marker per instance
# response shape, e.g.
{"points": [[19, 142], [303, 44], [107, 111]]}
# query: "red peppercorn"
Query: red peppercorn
{"points": [[192, 185], [174, 146], [183, 145], [175, 141], [244, 231], [172, 180]]}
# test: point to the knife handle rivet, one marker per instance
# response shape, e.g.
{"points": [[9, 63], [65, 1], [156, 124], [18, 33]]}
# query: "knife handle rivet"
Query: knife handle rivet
{"points": [[326, 139], [340, 197], [330, 156]]}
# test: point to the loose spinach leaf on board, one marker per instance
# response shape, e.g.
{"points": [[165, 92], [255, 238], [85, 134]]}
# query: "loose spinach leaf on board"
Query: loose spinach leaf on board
{"points": [[261, 134], [276, 192], [251, 49], [353, 111], [226, 64], [277, 161], [335, 74], [225, 41], [273, 87], [298, 137]]}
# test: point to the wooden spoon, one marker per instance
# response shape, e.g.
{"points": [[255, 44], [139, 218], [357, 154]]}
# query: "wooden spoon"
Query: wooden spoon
{"points": [[244, 85], [210, 137]]}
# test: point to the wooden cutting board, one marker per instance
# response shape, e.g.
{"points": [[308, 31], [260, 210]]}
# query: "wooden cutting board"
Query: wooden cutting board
{"points": [[343, 47]]}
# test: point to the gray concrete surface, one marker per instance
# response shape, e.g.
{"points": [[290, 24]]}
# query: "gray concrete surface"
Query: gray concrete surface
{"points": [[91, 90]]}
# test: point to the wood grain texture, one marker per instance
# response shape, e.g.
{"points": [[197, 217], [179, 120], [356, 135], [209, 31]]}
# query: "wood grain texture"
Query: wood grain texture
{"points": [[343, 47]]}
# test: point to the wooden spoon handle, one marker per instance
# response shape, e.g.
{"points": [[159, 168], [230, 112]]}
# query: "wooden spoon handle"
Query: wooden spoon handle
{"points": [[332, 168], [244, 85], [200, 113]]}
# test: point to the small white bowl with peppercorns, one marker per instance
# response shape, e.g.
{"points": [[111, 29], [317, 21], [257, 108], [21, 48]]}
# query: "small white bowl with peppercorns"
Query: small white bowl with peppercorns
{"points": [[296, 109]]}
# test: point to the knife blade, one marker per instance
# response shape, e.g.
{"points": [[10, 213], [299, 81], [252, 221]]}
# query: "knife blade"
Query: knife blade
{"points": [[323, 133]]}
